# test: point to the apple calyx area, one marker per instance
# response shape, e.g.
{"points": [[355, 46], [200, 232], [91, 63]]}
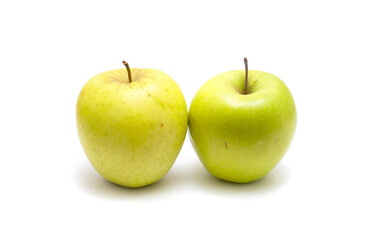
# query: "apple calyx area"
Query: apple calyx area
{"points": [[128, 70], [246, 77]]}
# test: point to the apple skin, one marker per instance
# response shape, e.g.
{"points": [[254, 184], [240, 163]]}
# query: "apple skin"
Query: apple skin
{"points": [[132, 132], [242, 137]]}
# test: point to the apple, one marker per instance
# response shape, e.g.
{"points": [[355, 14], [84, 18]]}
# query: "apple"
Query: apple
{"points": [[132, 124], [241, 124]]}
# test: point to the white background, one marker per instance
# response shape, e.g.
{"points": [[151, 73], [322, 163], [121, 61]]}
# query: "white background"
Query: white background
{"points": [[323, 50]]}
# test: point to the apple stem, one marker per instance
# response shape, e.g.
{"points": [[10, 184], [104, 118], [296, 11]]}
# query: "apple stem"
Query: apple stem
{"points": [[128, 70], [246, 72]]}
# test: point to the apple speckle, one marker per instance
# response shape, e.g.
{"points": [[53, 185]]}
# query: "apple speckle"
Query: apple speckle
{"points": [[162, 125], [226, 144]]}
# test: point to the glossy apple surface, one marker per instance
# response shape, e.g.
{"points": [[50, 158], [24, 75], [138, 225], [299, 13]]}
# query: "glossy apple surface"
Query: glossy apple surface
{"points": [[132, 132], [242, 137]]}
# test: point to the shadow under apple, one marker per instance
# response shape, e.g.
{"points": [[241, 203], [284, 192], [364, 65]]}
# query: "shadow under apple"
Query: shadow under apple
{"points": [[179, 177]]}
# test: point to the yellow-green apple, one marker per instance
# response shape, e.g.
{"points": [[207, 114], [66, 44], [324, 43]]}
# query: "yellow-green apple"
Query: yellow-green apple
{"points": [[132, 124], [241, 130]]}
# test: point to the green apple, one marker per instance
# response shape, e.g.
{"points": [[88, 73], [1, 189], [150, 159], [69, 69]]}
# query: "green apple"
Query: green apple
{"points": [[241, 131], [132, 124]]}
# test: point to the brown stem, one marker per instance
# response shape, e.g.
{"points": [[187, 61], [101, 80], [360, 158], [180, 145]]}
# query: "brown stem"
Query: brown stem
{"points": [[246, 72], [128, 70]]}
